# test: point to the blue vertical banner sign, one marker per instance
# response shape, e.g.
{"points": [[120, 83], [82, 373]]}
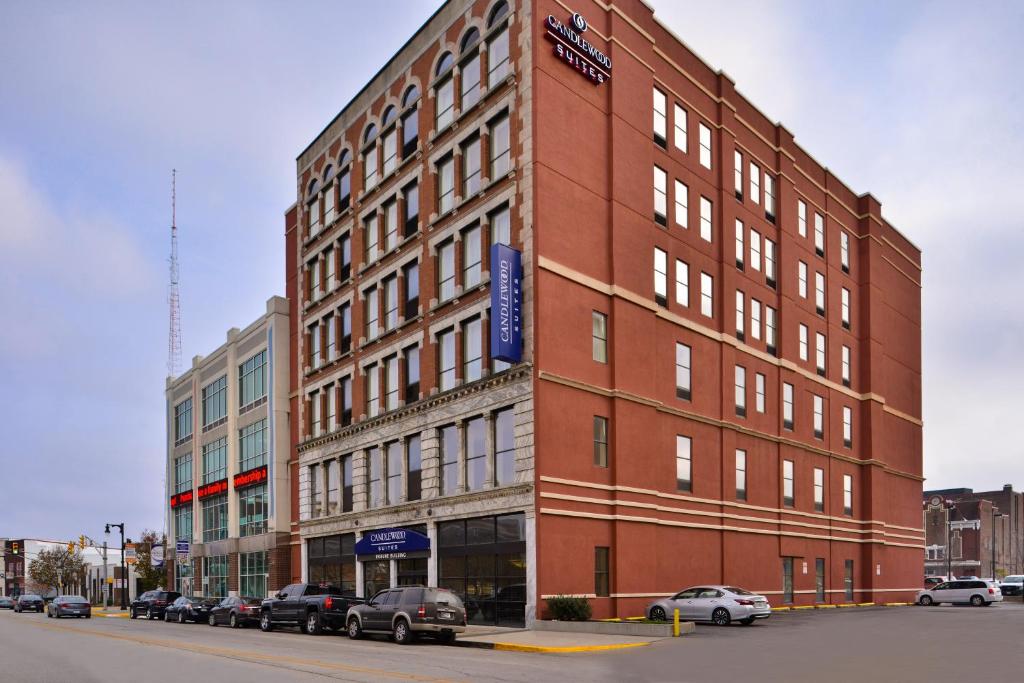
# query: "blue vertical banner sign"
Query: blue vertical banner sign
{"points": [[506, 304]]}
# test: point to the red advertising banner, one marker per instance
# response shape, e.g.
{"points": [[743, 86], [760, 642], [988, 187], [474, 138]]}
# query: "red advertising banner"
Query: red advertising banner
{"points": [[257, 475], [181, 498], [212, 489]]}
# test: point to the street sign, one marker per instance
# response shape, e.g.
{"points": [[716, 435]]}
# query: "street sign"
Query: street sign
{"points": [[129, 553], [182, 549]]}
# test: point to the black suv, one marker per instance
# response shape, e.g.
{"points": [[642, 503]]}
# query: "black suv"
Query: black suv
{"points": [[152, 604], [29, 602], [407, 612]]}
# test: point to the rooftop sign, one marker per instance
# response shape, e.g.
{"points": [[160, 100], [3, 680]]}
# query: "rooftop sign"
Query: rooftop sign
{"points": [[576, 51]]}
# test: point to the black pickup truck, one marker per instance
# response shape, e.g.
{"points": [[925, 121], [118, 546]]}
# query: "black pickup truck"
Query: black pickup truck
{"points": [[312, 607]]}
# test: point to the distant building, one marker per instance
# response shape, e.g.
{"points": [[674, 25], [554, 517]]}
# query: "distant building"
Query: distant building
{"points": [[967, 531], [19, 553]]}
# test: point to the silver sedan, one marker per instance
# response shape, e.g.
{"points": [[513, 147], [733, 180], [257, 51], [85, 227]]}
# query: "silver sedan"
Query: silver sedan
{"points": [[718, 604]]}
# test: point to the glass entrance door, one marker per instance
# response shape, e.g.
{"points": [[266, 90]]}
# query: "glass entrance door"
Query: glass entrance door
{"points": [[376, 577]]}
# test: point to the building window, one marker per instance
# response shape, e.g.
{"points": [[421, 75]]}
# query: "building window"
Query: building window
{"points": [[313, 212], [755, 319], [769, 197], [471, 168], [252, 379], [183, 522], [183, 473], [705, 219], [819, 352], [330, 326], [372, 391], [801, 276], [372, 311], [252, 574], [737, 173], [412, 374], [345, 318], [819, 234], [659, 117], [446, 359], [740, 391], [787, 483], [740, 248], [844, 251], [414, 467], [769, 328], [411, 210], [680, 132], [845, 308], [787, 580], [449, 459], [660, 197], [803, 341], [470, 69], [215, 401], [602, 572], [346, 401], [704, 134], [410, 121], [476, 454], [411, 280], [446, 271], [444, 93], [391, 382], [769, 261], [332, 486], [682, 201], [390, 149], [787, 406], [315, 358], [819, 489], [445, 186], [471, 258], [390, 225], [314, 490], [819, 417], [346, 257], [472, 350], [182, 421], [755, 250], [252, 510], [759, 392], [504, 447], [660, 277], [846, 366], [497, 49], [390, 303], [314, 414], [847, 426], [599, 333], [501, 148], [682, 283], [683, 464], [370, 239], [215, 518], [501, 228], [682, 371], [848, 579], [375, 479], [741, 474], [707, 285], [740, 315], [215, 460], [755, 183], [600, 441], [394, 472], [819, 293], [252, 446], [346, 483], [215, 571], [801, 217], [344, 182]]}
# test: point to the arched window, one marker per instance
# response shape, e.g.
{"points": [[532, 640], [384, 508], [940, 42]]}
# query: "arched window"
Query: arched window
{"points": [[410, 121], [345, 159], [328, 173], [444, 93], [497, 46], [390, 143], [389, 115], [469, 40], [470, 69], [314, 187], [313, 208], [344, 181], [411, 95], [369, 157], [371, 132], [329, 195]]}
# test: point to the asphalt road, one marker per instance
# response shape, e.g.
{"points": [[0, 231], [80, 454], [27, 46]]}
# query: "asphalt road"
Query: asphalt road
{"points": [[901, 644]]}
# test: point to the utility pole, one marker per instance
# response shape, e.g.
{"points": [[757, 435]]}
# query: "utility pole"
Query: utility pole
{"points": [[106, 589], [994, 515], [124, 573]]}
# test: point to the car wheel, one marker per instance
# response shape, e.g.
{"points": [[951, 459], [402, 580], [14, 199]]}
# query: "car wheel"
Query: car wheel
{"points": [[658, 614], [132, 614], [181, 617], [355, 631], [447, 638], [265, 623], [403, 634], [313, 627], [721, 616], [926, 601], [977, 600], [167, 617], [233, 621], [748, 621], [149, 614], [212, 621]]}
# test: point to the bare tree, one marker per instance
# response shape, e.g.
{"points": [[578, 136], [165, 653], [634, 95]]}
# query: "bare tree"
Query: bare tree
{"points": [[58, 569]]}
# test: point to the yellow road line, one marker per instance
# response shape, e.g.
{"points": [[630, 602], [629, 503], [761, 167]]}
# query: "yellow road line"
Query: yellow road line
{"points": [[513, 647], [247, 655]]}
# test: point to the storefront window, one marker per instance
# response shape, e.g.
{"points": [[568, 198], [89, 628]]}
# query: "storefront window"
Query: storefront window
{"points": [[332, 560], [215, 576], [252, 574], [376, 577]]}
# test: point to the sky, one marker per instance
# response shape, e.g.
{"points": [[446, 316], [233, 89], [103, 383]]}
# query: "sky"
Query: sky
{"points": [[916, 102]]}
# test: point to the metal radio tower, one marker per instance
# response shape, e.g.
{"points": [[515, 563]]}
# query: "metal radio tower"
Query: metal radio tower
{"points": [[174, 331]]}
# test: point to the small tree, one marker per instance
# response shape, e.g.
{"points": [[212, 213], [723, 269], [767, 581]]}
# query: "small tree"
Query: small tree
{"points": [[150, 577], [57, 569]]}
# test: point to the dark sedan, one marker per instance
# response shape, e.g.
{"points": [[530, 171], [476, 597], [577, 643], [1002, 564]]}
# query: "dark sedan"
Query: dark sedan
{"points": [[192, 608], [152, 604], [6, 602], [236, 612], [69, 606], [29, 603]]}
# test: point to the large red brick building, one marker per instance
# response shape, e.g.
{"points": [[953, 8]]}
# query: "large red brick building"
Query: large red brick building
{"points": [[719, 375]]}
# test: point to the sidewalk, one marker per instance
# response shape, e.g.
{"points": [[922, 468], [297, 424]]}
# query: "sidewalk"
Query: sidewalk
{"points": [[524, 640], [110, 612]]}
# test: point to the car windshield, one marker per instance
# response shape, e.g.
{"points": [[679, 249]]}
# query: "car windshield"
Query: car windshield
{"points": [[1014, 579], [30, 597], [738, 591], [252, 601], [73, 598]]}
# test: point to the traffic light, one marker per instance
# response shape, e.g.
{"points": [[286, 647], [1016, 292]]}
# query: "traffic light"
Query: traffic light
{"points": [[15, 549], [71, 547], [81, 542]]}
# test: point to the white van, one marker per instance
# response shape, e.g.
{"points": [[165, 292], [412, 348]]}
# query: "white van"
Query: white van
{"points": [[975, 592]]}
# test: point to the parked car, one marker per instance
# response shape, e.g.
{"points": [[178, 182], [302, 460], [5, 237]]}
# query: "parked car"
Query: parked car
{"points": [[194, 608], [1013, 585], [152, 604], [29, 603], [6, 602], [312, 607], [718, 604], [69, 606], [931, 581], [236, 612], [974, 592], [407, 612], [967, 578]]}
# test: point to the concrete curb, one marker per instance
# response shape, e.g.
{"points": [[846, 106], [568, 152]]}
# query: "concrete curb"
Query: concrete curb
{"points": [[515, 647]]}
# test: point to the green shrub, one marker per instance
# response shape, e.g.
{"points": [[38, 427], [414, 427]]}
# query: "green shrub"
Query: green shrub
{"points": [[569, 608]]}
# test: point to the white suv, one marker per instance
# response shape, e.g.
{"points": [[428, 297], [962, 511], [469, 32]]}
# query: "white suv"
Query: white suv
{"points": [[1012, 585], [973, 591]]}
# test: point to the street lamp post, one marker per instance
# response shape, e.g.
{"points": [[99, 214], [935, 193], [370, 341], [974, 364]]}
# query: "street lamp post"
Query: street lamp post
{"points": [[994, 515], [124, 573], [949, 505]]}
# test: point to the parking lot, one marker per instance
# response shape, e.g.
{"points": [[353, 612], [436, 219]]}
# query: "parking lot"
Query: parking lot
{"points": [[872, 644]]}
